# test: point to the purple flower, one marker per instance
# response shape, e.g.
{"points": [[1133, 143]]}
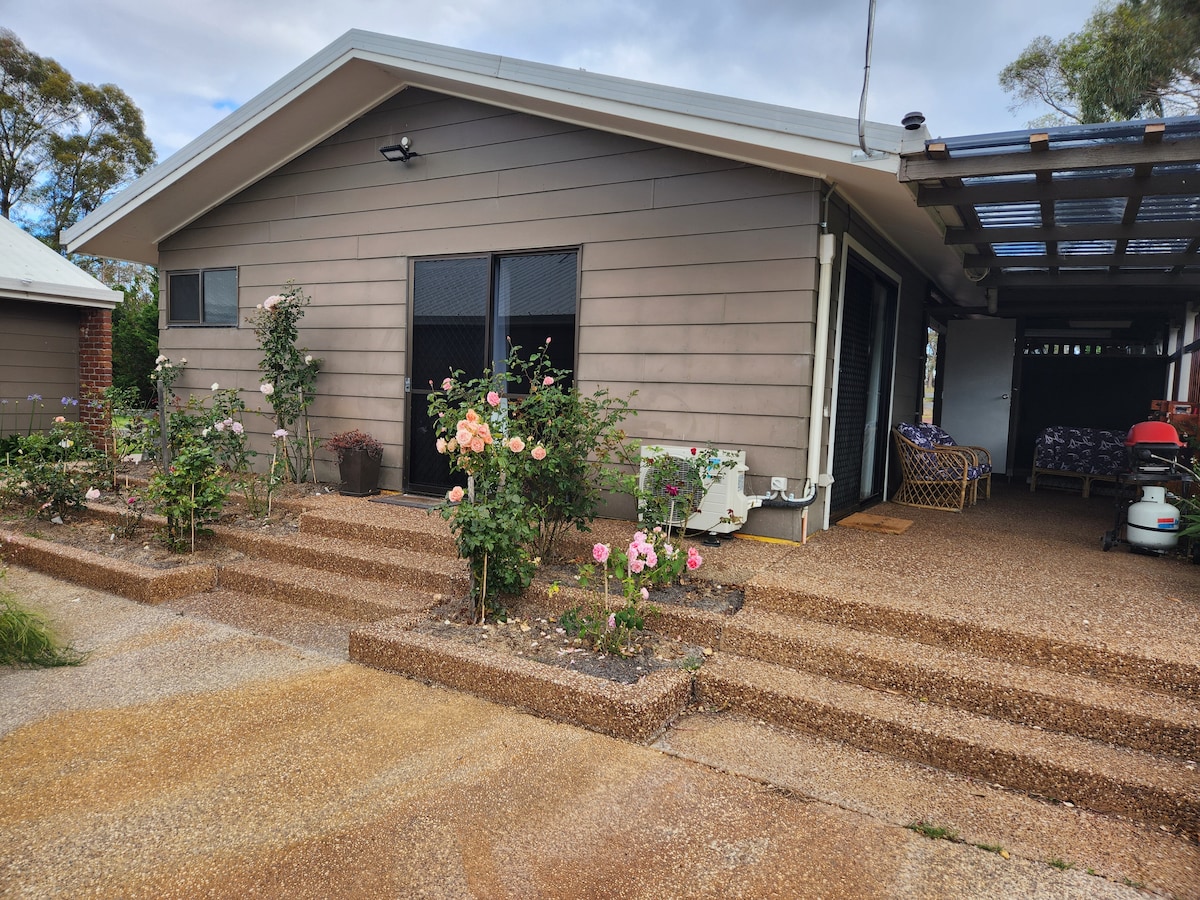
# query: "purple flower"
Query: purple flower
{"points": [[35, 396]]}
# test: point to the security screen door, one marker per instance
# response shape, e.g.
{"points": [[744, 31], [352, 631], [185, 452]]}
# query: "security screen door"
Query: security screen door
{"points": [[864, 388], [465, 311]]}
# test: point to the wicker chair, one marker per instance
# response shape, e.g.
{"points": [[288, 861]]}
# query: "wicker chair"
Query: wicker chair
{"points": [[934, 476], [981, 458]]}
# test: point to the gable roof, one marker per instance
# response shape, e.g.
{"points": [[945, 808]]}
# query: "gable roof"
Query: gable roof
{"points": [[29, 270], [361, 69]]}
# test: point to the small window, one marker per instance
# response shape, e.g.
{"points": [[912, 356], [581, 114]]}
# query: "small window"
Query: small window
{"points": [[204, 297]]}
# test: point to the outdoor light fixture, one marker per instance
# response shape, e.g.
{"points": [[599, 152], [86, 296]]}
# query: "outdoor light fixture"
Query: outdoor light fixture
{"points": [[401, 152]]}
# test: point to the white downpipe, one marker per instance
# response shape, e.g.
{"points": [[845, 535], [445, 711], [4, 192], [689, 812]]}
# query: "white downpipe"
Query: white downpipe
{"points": [[826, 251]]}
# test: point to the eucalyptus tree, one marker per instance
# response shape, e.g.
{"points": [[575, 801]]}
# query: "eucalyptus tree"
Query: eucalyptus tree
{"points": [[1133, 59]]}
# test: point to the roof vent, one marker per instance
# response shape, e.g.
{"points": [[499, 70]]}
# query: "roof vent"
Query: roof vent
{"points": [[913, 120]]}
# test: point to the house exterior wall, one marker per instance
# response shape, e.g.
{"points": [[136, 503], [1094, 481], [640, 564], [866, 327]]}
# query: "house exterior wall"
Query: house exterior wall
{"points": [[39, 354], [697, 289]]}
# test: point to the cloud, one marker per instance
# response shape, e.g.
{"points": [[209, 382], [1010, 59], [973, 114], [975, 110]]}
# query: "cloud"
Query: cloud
{"points": [[187, 64]]}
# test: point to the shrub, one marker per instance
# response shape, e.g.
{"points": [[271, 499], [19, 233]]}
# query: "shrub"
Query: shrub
{"points": [[535, 464], [52, 471]]}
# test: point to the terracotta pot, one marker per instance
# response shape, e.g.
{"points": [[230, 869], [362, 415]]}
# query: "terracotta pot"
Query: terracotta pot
{"points": [[359, 472]]}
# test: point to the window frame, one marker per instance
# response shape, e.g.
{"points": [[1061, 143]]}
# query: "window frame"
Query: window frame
{"points": [[202, 321]]}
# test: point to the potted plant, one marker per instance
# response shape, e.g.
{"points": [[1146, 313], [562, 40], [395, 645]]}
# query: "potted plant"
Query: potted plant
{"points": [[358, 456]]}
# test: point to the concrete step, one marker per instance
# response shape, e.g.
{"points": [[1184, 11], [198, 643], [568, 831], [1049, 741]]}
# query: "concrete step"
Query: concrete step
{"points": [[1090, 774], [309, 629], [975, 812], [343, 595], [1118, 714], [428, 571], [381, 525], [1001, 637]]}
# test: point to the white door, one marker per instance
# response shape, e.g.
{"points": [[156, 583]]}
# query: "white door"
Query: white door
{"points": [[977, 385]]}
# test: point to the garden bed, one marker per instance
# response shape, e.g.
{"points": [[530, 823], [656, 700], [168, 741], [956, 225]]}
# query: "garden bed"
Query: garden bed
{"points": [[637, 711], [117, 576]]}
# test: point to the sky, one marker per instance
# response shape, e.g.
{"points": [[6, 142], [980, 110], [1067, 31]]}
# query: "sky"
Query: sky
{"points": [[188, 63]]}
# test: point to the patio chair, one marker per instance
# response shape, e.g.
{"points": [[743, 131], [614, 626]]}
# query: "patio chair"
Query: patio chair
{"points": [[980, 456], [934, 476]]}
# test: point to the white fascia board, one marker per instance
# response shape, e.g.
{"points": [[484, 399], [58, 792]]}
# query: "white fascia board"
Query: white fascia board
{"points": [[60, 294]]}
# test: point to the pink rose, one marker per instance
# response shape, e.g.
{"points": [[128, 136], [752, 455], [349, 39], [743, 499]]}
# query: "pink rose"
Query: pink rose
{"points": [[538, 452], [477, 445], [600, 553], [60, 418], [441, 445], [693, 562], [547, 381], [447, 383], [636, 566], [493, 398], [455, 495], [645, 593], [515, 444]]}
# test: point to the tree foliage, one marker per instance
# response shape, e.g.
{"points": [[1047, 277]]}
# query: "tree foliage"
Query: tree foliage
{"points": [[135, 336], [1135, 59], [65, 146]]}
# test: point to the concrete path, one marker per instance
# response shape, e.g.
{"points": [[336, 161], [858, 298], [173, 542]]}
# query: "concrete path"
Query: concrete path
{"points": [[188, 759]]}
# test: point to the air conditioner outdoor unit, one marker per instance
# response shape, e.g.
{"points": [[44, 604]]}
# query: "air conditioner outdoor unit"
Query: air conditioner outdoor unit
{"points": [[724, 499]]}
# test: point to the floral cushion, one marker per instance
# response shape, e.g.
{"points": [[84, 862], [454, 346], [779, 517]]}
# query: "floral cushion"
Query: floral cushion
{"points": [[1088, 451], [929, 436], [916, 434]]}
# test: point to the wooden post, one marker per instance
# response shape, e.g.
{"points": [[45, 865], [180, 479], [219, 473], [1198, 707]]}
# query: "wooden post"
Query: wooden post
{"points": [[164, 425]]}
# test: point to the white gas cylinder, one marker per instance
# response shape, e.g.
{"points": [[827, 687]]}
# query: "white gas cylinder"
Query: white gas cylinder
{"points": [[1153, 523]]}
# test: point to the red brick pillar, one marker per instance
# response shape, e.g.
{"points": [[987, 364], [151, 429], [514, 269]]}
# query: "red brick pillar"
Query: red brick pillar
{"points": [[95, 366]]}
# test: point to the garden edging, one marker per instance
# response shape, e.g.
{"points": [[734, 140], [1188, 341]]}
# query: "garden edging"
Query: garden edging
{"points": [[636, 712], [102, 573]]}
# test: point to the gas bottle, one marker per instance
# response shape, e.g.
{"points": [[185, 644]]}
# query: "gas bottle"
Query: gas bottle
{"points": [[1153, 523]]}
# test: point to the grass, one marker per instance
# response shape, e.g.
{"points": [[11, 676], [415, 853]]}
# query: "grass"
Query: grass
{"points": [[1061, 864], [27, 639], [933, 832]]}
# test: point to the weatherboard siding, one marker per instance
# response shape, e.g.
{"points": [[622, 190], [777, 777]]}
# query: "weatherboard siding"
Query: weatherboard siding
{"points": [[697, 286], [39, 354]]}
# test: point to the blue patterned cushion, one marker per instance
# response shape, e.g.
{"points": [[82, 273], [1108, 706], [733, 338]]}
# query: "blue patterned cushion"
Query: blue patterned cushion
{"points": [[943, 438], [1109, 457], [916, 434], [1088, 451]]}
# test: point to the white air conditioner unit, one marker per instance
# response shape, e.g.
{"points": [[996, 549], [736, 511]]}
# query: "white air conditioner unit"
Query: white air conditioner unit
{"points": [[725, 498]]}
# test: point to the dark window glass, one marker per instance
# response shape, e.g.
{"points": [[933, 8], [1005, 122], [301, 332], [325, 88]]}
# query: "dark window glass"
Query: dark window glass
{"points": [[450, 301], [220, 297], [207, 297], [185, 297], [535, 300]]}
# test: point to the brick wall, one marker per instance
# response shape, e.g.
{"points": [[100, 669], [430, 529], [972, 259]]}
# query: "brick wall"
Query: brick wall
{"points": [[95, 364]]}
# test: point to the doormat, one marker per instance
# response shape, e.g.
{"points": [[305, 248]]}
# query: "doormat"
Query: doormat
{"points": [[880, 524], [407, 500]]}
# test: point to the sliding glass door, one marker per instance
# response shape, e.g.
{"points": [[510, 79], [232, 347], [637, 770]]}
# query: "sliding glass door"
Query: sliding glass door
{"points": [[466, 311]]}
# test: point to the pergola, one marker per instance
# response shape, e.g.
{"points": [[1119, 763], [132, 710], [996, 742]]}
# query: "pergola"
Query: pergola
{"points": [[1087, 232]]}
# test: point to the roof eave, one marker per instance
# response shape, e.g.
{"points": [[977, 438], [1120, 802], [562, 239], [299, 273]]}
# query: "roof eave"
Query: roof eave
{"points": [[361, 70], [62, 295]]}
